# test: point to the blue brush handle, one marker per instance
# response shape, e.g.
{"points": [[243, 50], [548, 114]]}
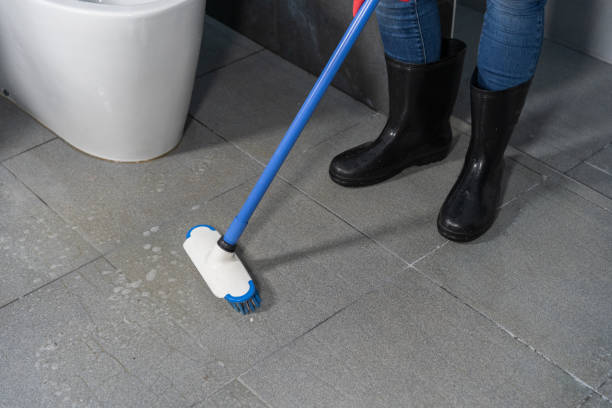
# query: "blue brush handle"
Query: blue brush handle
{"points": [[240, 222]]}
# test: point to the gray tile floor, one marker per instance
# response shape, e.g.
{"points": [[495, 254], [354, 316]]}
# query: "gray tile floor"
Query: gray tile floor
{"points": [[365, 305]]}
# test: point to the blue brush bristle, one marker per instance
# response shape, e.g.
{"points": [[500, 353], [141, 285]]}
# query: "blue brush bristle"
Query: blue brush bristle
{"points": [[246, 303], [247, 306]]}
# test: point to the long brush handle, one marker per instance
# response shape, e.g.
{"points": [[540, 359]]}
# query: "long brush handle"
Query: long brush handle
{"points": [[240, 222]]}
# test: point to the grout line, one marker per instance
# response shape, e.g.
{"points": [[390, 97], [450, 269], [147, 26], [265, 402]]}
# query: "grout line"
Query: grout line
{"points": [[586, 161], [598, 168], [566, 172], [219, 390], [547, 168], [338, 216], [301, 335], [511, 334], [325, 140], [229, 63], [608, 377], [584, 400], [65, 221], [53, 280], [10, 302], [518, 196], [249, 155], [357, 123], [394, 254], [547, 171], [28, 149], [252, 391], [428, 254]]}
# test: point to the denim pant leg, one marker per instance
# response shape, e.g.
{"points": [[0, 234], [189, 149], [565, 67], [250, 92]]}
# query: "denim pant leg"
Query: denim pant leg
{"points": [[510, 43], [410, 30]]}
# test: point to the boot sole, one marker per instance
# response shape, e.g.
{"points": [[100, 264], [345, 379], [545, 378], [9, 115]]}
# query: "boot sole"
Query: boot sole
{"points": [[421, 161], [457, 236]]}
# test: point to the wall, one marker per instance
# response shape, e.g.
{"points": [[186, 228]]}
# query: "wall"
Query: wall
{"points": [[584, 25], [306, 32]]}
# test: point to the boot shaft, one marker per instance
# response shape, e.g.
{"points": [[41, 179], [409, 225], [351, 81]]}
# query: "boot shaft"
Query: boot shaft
{"points": [[494, 115], [423, 95]]}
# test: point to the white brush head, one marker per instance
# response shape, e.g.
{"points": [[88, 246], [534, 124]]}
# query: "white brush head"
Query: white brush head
{"points": [[222, 271]]}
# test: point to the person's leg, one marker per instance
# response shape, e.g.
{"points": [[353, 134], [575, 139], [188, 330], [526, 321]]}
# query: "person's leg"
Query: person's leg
{"points": [[509, 50], [510, 43], [423, 72], [410, 30]]}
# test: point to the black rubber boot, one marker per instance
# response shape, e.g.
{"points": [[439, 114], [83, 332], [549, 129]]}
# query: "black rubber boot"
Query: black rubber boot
{"points": [[471, 205], [421, 99]]}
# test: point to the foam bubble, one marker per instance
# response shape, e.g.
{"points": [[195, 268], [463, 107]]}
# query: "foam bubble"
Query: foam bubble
{"points": [[151, 275]]}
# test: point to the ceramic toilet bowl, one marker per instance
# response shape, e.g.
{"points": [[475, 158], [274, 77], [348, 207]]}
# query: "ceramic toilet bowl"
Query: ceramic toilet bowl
{"points": [[111, 77]]}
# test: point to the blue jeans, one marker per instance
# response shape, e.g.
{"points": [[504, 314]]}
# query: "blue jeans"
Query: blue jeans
{"points": [[510, 41]]}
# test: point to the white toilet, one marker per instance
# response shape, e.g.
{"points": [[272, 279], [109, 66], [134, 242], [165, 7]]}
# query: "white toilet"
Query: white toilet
{"points": [[111, 77]]}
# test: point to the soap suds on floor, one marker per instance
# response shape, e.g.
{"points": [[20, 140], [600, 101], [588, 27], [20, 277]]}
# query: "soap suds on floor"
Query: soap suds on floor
{"points": [[151, 274], [134, 284]]}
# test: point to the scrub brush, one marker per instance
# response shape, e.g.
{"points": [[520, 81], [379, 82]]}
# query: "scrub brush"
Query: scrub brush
{"points": [[214, 255]]}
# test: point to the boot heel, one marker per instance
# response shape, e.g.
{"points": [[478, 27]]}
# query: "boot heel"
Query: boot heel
{"points": [[432, 157]]}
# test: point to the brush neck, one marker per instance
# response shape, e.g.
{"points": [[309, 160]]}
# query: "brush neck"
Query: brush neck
{"points": [[231, 248]]}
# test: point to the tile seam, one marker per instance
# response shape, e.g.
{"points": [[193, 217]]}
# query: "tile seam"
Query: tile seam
{"points": [[203, 74], [514, 336]]}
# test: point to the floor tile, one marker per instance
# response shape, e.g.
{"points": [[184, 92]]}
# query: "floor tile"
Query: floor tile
{"points": [[552, 175], [399, 213], [306, 263], [602, 159], [606, 387], [18, 130], [144, 324], [109, 201], [410, 344], [593, 177], [36, 245], [233, 395], [596, 171], [221, 46], [596, 402], [555, 126], [505, 321], [252, 103], [542, 272], [88, 344]]}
